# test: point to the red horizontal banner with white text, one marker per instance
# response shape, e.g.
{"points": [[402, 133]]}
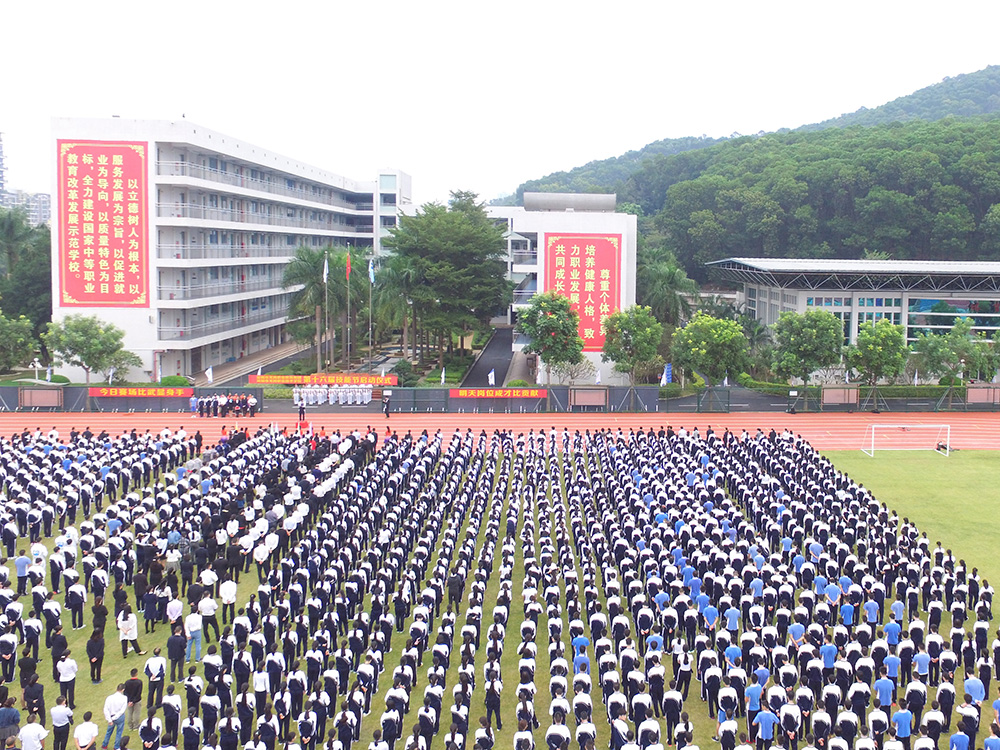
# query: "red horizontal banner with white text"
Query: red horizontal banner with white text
{"points": [[139, 392], [498, 393], [334, 378]]}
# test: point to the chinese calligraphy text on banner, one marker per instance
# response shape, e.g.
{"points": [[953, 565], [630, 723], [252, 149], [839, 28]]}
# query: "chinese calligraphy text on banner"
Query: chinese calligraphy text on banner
{"points": [[131, 391], [498, 393], [585, 268], [337, 378], [103, 226]]}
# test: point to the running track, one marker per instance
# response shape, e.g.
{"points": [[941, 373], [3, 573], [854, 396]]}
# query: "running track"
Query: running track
{"points": [[969, 431]]}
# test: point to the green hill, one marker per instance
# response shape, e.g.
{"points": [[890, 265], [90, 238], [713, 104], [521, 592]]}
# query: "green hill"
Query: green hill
{"points": [[966, 95], [971, 94], [604, 175]]}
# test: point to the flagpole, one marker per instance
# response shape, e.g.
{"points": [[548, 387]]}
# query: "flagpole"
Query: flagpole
{"points": [[371, 341], [349, 331], [326, 311]]}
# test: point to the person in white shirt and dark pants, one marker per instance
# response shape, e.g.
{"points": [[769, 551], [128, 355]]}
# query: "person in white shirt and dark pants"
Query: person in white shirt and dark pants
{"points": [[67, 669]]}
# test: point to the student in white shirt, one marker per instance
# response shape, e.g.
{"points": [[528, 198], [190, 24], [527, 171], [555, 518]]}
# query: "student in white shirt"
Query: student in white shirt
{"points": [[85, 735]]}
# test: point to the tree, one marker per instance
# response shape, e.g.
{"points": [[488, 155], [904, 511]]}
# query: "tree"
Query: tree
{"points": [[458, 257], [664, 287], [16, 234], [955, 353], [17, 342], [631, 339], [553, 327], [305, 270], [27, 290], [880, 352], [116, 368], [711, 346], [84, 341], [806, 342]]}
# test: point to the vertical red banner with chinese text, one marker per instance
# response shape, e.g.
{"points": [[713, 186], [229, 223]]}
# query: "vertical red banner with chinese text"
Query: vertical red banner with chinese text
{"points": [[103, 224], [585, 268]]}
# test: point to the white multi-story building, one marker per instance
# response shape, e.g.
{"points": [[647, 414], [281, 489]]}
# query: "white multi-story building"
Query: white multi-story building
{"points": [[575, 244], [189, 234], [36, 206]]}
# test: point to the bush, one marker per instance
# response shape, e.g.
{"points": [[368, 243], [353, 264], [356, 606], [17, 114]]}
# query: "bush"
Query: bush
{"points": [[518, 383], [950, 380], [64, 380], [671, 390], [285, 393], [174, 380], [402, 368]]}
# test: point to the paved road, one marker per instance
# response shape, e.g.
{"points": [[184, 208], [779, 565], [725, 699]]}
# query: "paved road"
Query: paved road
{"points": [[496, 356]]}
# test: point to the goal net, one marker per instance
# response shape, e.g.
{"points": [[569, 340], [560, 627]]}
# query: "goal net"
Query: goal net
{"points": [[907, 437]]}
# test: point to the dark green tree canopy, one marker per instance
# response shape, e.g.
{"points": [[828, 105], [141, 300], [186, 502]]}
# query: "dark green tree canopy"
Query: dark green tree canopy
{"points": [[715, 347], [457, 257], [85, 341], [880, 352], [631, 339], [805, 342], [553, 327]]}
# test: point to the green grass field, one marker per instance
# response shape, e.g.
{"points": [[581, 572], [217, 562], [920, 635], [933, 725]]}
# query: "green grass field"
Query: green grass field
{"points": [[937, 493], [953, 499]]}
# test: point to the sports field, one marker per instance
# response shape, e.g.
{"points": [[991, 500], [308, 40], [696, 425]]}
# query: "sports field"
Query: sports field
{"points": [[952, 499]]}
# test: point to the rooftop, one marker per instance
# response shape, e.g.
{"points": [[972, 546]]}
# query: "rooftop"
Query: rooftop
{"points": [[848, 275]]}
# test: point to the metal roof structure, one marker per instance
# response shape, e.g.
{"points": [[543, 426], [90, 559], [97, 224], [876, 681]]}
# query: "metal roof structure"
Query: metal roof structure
{"points": [[863, 275]]}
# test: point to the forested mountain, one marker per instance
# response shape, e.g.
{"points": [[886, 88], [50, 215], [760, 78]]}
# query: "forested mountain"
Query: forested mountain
{"points": [[602, 176], [972, 94], [965, 95], [921, 190]]}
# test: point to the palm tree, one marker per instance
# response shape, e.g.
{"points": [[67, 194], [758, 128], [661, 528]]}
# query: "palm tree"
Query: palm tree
{"points": [[15, 233], [392, 296], [663, 286], [306, 271]]}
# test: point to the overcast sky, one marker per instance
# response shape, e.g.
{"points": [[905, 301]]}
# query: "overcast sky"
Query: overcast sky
{"points": [[468, 95]]}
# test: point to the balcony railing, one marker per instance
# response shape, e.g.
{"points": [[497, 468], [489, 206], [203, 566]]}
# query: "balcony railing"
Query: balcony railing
{"points": [[187, 169], [222, 252], [171, 333], [194, 211], [523, 296], [527, 259], [200, 291]]}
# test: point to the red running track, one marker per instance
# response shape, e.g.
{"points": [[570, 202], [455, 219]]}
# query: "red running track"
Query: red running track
{"points": [[969, 431]]}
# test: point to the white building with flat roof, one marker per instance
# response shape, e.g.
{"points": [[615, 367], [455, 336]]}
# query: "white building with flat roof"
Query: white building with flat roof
{"points": [[180, 235], [577, 245], [921, 296]]}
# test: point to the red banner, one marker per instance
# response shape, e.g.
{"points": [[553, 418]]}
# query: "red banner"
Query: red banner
{"points": [[140, 392], [334, 378], [498, 393], [103, 224], [585, 268]]}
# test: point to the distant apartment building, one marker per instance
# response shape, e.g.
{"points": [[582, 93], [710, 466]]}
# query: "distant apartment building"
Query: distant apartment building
{"points": [[35, 205], [180, 235]]}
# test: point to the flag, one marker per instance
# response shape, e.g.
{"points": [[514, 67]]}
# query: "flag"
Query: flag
{"points": [[371, 270], [670, 372], [996, 377], [663, 377], [48, 374], [725, 382], [383, 372], [915, 374], [111, 375], [597, 380], [348, 265], [208, 374], [491, 377], [847, 376], [442, 374], [326, 268], [259, 369]]}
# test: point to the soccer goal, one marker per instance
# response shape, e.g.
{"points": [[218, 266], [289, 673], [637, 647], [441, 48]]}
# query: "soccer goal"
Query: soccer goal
{"points": [[907, 437]]}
